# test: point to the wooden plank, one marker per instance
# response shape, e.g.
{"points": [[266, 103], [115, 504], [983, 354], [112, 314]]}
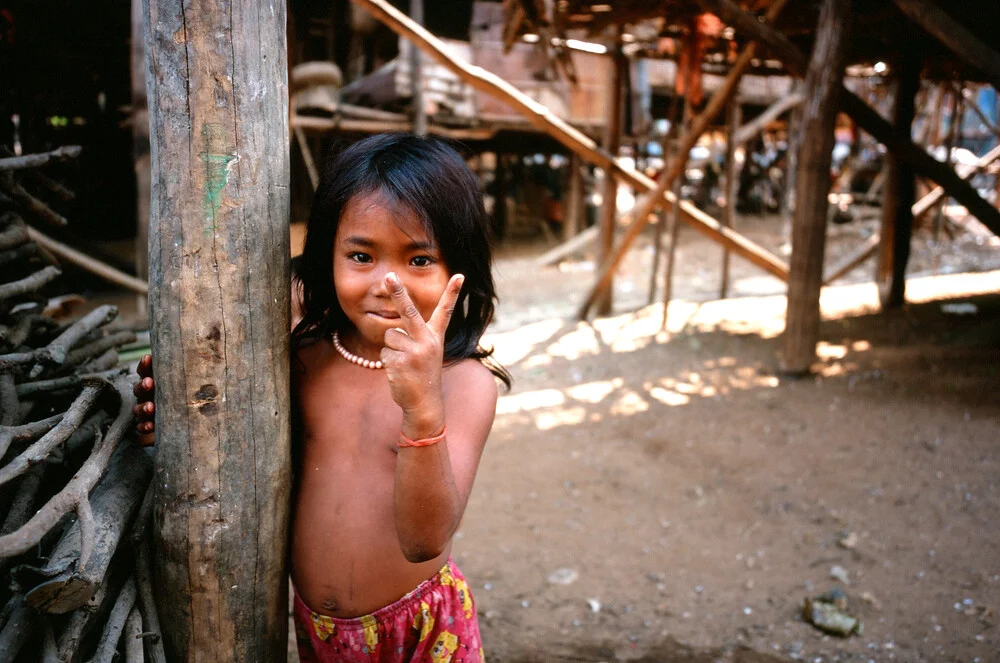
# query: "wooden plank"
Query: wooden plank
{"points": [[805, 277], [219, 247], [541, 117], [950, 32]]}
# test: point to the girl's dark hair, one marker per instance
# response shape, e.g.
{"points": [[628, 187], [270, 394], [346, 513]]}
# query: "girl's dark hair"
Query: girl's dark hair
{"points": [[428, 178]]}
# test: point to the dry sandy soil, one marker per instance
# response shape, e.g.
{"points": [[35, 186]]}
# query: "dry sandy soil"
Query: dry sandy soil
{"points": [[669, 497]]}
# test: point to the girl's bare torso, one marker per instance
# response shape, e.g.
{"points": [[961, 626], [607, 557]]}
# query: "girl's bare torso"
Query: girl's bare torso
{"points": [[345, 555]]}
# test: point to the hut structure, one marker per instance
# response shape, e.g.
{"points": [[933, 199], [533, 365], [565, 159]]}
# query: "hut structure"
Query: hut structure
{"points": [[927, 42]]}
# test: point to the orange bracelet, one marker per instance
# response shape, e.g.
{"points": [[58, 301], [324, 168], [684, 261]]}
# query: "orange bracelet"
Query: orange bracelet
{"points": [[426, 442]]}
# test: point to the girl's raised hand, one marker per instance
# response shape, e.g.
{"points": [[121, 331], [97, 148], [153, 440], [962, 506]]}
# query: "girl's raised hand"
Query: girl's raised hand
{"points": [[413, 356]]}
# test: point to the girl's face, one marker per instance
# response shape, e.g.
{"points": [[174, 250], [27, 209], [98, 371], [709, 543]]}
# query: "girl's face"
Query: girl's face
{"points": [[373, 240]]}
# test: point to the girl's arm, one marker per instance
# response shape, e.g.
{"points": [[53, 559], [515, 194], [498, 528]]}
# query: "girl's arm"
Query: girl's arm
{"points": [[433, 483]]}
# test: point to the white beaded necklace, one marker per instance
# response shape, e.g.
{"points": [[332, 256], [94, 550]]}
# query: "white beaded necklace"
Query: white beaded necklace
{"points": [[353, 358]]}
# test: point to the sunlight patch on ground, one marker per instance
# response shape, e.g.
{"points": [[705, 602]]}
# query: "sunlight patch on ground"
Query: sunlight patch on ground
{"points": [[534, 346]]}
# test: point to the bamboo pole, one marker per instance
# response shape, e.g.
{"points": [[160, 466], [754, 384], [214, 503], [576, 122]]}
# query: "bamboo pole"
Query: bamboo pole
{"points": [[812, 187], [543, 118]]}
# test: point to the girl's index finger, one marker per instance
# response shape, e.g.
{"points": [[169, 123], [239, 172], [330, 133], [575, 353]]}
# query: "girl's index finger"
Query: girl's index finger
{"points": [[446, 305], [408, 313]]}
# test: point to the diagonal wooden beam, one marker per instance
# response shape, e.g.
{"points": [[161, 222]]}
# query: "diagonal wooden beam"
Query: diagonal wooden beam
{"points": [[866, 118], [698, 127], [543, 118], [940, 25], [868, 248]]}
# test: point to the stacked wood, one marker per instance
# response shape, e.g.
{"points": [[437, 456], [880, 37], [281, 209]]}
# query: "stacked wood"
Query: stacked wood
{"points": [[74, 484]]}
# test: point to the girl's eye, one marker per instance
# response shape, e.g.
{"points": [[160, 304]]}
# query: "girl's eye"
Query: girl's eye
{"points": [[359, 257], [422, 261]]}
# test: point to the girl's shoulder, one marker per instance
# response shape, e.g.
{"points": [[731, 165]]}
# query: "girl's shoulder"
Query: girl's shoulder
{"points": [[469, 376]]}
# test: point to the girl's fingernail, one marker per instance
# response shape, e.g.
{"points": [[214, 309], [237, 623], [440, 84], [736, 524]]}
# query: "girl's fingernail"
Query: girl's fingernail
{"points": [[392, 278]]}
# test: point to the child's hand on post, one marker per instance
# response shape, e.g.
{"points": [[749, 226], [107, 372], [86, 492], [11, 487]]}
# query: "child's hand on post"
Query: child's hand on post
{"points": [[144, 410], [413, 357]]}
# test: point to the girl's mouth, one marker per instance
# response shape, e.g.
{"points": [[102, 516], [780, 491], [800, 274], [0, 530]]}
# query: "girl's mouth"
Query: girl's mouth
{"points": [[388, 315]]}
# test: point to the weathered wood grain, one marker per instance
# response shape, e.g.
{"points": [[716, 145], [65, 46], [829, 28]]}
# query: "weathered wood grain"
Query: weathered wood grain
{"points": [[219, 298], [822, 90]]}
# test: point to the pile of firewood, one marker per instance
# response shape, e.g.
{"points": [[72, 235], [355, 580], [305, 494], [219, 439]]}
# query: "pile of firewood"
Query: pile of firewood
{"points": [[75, 494]]}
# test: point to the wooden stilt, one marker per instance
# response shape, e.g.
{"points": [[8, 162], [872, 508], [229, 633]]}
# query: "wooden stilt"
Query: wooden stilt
{"points": [[954, 129], [572, 221], [676, 167], [675, 226], [813, 184], [733, 119], [674, 115], [416, 74], [866, 117], [609, 197], [219, 297], [897, 204]]}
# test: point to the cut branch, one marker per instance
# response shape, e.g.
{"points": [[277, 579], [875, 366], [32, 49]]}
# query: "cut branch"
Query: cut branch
{"points": [[38, 451], [63, 153], [29, 283], [108, 644], [78, 487]]}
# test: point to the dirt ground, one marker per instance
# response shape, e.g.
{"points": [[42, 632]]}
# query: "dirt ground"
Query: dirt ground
{"points": [[669, 497]]}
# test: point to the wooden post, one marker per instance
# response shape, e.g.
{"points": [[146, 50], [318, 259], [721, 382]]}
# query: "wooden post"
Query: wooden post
{"points": [[609, 197], [140, 153], [216, 74], [822, 89], [574, 199], [900, 192], [866, 117], [675, 227], [416, 74], [733, 118]]}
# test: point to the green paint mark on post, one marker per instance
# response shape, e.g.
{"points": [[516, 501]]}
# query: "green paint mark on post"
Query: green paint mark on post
{"points": [[215, 161]]}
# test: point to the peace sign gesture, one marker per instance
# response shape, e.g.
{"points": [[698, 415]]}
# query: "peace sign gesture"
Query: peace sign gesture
{"points": [[413, 355]]}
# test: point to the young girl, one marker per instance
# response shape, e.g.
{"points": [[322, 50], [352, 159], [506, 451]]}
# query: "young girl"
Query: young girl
{"points": [[394, 400]]}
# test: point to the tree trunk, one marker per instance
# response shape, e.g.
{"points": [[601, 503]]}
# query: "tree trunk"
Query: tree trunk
{"points": [[900, 191], [216, 75], [822, 90]]}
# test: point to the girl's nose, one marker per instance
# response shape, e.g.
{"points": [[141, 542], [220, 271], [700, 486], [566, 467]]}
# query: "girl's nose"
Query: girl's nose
{"points": [[378, 287]]}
